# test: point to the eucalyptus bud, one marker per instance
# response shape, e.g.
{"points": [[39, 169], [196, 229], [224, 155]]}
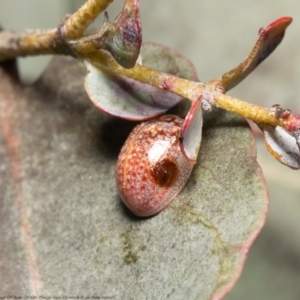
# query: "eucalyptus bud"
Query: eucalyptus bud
{"points": [[125, 37]]}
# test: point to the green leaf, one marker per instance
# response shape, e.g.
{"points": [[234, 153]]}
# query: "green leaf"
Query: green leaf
{"points": [[65, 231]]}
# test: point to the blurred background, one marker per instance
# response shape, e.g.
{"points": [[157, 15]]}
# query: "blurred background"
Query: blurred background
{"points": [[216, 36]]}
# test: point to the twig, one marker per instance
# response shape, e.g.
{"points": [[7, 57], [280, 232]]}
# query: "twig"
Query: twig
{"points": [[193, 90], [32, 43], [76, 24], [53, 41]]}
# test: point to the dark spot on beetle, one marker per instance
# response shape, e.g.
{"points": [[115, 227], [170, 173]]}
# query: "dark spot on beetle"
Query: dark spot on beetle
{"points": [[164, 172]]}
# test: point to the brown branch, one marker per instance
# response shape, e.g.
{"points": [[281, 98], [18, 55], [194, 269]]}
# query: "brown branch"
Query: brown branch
{"points": [[256, 113], [210, 91], [76, 24], [53, 41], [33, 43]]}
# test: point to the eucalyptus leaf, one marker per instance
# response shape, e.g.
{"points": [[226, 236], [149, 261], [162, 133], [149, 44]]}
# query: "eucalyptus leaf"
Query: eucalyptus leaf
{"points": [[282, 146], [133, 100], [65, 231], [191, 132], [268, 40]]}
